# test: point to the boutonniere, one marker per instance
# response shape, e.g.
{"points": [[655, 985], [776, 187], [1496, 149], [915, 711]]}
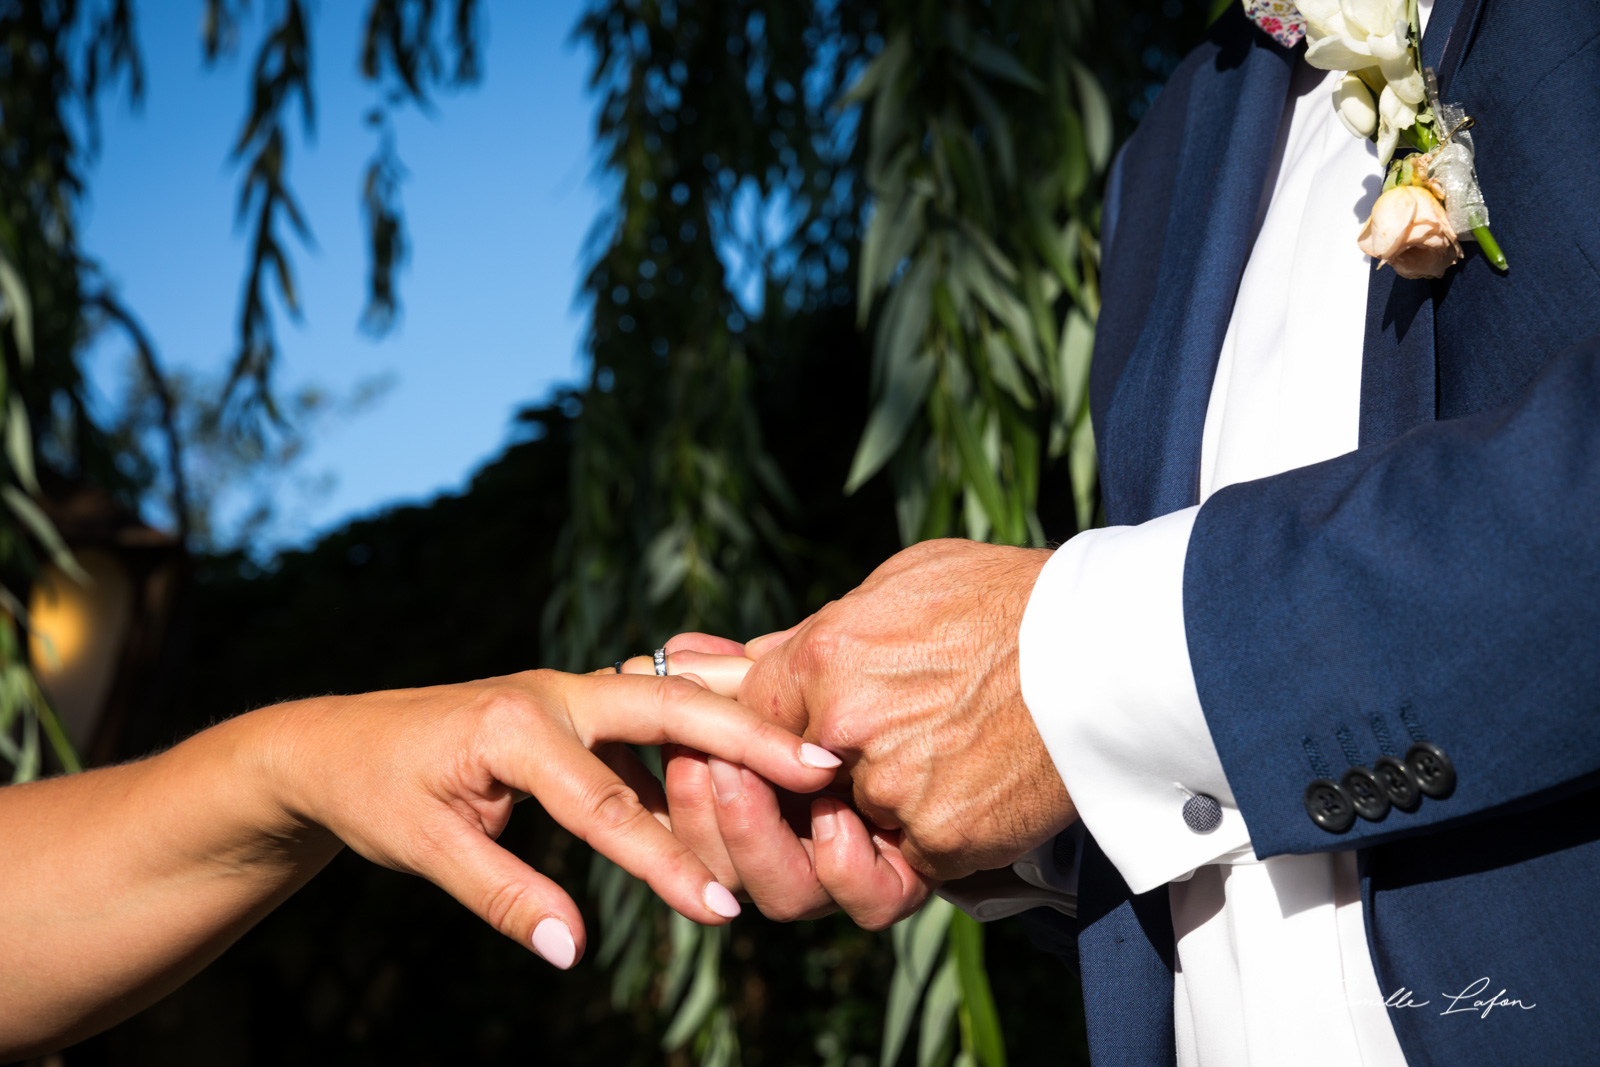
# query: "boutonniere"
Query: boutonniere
{"points": [[1430, 201]]}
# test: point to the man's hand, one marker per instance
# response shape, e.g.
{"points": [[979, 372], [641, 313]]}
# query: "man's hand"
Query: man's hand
{"points": [[913, 679]]}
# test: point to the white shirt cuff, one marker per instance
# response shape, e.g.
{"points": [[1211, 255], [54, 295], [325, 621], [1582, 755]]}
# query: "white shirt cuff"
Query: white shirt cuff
{"points": [[1105, 672], [1034, 881]]}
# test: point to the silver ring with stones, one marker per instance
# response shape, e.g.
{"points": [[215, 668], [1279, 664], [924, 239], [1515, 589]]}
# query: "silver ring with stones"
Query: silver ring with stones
{"points": [[661, 662]]}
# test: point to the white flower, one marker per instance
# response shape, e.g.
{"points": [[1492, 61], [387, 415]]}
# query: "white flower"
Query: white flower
{"points": [[1358, 36], [1354, 34], [1353, 102], [1394, 115]]}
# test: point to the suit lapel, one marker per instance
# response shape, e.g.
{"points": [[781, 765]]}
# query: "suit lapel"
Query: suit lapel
{"points": [[1399, 364], [1156, 416]]}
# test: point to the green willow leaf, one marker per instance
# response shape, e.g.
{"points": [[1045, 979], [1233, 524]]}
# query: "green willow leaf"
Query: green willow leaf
{"points": [[702, 996], [1084, 470], [1073, 168], [881, 72], [19, 445], [905, 322], [1076, 348], [1096, 115], [917, 942], [16, 308], [995, 121], [978, 471], [44, 531], [939, 1015], [977, 1000], [994, 59], [55, 730], [890, 419]]}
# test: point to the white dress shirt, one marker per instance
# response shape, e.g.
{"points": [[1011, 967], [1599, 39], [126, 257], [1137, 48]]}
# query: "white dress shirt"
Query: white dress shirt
{"points": [[1273, 964]]}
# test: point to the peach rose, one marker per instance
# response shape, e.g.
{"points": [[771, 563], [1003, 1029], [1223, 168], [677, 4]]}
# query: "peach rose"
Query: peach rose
{"points": [[1410, 230]]}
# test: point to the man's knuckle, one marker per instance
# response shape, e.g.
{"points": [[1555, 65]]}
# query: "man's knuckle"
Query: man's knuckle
{"points": [[789, 910], [846, 727], [879, 789]]}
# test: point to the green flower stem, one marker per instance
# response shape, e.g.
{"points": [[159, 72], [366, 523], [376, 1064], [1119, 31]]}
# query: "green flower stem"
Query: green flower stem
{"points": [[1491, 247]]}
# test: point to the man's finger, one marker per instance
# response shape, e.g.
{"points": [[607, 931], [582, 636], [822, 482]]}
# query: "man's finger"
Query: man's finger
{"points": [[650, 711], [720, 674], [692, 808], [584, 795], [774, 866], [707, 643], [506, 893], [781, 684], [764, 644], [864, 872]]}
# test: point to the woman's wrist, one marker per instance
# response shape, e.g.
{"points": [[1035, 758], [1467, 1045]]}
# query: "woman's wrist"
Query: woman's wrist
{"points": [[269, 754]]}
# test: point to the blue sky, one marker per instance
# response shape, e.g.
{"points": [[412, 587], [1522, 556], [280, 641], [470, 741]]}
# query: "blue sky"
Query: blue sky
{"points": [[498, 202]]}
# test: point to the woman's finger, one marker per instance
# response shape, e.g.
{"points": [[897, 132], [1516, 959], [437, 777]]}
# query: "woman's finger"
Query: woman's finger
{"points": [[646, 711], [631, 769], [863, 871], [692, 809], [588, 798], [707, 643], [715, 671], [774, 866], [504, 892]]}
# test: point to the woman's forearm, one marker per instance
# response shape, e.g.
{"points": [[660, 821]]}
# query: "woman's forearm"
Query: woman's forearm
{"points": [[118, 884], [122, 883]]}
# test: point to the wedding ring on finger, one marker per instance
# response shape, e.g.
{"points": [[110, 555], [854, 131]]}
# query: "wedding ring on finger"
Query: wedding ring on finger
{"points": [[661, 663]]}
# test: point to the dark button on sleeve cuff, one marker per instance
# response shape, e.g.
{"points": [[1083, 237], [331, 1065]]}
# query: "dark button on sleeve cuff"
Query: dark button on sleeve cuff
{"points": [[1397, 781], [1329, 806], [1367, 794], [1435, 774]]}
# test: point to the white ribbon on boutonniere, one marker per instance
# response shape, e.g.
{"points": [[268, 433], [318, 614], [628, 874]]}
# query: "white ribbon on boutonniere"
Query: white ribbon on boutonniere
{"points": [[1431, 200]]}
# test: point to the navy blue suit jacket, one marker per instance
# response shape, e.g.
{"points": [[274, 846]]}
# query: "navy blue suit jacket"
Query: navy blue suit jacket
{"points": [[1444, 578]]}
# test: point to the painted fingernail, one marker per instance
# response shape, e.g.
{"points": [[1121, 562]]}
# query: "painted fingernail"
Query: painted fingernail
{"points": [[726, 782], [824, 822], [818, 757], [719, 900], [553, 941]]}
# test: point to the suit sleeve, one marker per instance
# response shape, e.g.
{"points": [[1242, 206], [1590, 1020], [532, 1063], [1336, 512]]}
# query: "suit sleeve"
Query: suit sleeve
{"points": [[1444, 585]]}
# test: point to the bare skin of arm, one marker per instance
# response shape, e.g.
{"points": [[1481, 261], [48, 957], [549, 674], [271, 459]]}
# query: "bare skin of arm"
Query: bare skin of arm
{"points": [[122, 883]]}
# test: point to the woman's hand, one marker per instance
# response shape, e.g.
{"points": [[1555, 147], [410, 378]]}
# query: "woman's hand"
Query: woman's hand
{"points": [[423, 781], [122, 882]]}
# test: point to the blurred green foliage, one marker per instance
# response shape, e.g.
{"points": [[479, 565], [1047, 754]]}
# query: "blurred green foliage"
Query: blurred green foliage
{"points": [[843, 301]]}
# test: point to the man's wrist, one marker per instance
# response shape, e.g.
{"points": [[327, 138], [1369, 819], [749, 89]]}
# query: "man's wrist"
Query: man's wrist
{"points": [[1106, 670]]}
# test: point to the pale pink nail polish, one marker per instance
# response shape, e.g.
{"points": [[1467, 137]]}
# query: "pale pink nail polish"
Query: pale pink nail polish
{"points": [[725, 780], [553, 941], [824, 823], [719, 900], [818, 757]]}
